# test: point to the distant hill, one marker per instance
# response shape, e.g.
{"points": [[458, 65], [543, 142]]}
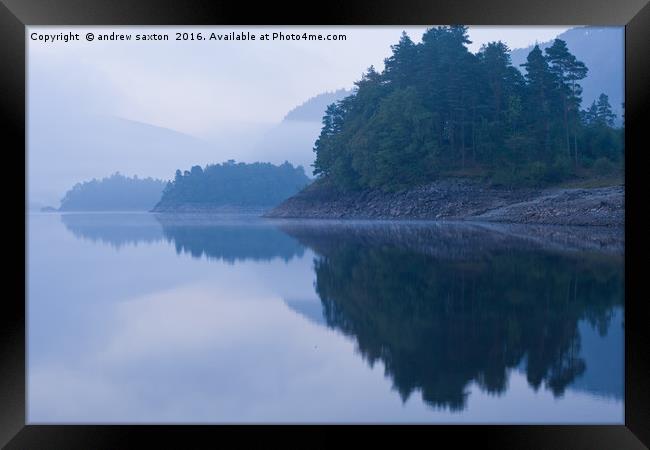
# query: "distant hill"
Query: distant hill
{"points": [[293, 138], [232, 184], [60, 154], [114, 193], [602, 49], [314, 108], [289, 140]]}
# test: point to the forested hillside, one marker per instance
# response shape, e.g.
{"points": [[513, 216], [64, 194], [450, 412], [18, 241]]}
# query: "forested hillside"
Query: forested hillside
{"points": [[438, 110], [233, 184]]}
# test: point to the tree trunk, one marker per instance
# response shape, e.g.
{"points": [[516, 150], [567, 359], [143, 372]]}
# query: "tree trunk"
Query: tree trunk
{"points": [[474, 133], [566, 129], [462, 136], [575, 147], [575, 131]]}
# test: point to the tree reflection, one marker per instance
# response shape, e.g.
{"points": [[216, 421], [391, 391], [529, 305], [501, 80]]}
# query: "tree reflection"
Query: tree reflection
{"points": [[228, 238], [444, 307], [231, 242], [114, 229]]}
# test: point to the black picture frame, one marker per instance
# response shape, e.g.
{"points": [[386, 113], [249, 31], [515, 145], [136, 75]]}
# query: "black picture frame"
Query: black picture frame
{"points": [[15, 15]]}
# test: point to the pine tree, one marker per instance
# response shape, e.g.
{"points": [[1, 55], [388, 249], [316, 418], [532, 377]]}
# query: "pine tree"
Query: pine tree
{"points": [[604, 113], [568, 71], [540, 89], [590, 115], [399, 66], [436, 100], [495, 59]]}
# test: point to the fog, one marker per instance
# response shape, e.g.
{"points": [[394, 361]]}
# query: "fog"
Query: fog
{"points": [[148, 108]]}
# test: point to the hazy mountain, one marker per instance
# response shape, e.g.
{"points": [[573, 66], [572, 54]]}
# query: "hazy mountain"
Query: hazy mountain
{"points": [[314, 108], [106, 144], [101, 145], [603, 51], [293, 139]]}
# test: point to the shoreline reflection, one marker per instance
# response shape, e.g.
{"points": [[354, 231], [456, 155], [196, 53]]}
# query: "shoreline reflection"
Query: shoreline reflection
{"points": [[442, 306]]}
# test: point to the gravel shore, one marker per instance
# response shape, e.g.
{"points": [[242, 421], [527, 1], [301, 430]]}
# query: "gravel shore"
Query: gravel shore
{"points": [[460, 199]]}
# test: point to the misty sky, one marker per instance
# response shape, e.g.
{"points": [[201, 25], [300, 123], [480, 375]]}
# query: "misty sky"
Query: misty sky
{"points": [[222, 99], [197, 87]]}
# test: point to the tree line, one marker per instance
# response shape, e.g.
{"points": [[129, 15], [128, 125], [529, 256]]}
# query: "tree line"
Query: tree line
{"points": [[114, 193], [234, 184], [439, 110]]}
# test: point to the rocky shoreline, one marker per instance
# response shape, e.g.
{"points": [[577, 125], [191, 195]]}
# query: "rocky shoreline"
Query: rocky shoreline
{"points": [[461, 199]]}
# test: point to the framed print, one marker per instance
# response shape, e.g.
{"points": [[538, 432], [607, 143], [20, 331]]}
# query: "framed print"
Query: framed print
{"points": [[389, 214]]}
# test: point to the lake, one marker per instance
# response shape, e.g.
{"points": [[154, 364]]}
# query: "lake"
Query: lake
{"points": [[148, 318]]}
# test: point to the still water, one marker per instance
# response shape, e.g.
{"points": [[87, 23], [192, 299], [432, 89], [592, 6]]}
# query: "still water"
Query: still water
{"points": [[143, 318]]}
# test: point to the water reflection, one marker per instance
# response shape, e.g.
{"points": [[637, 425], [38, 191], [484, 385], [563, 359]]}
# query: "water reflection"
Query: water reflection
{"points": [[114, 229], [228, 238], [220, 237], [444, 306]]}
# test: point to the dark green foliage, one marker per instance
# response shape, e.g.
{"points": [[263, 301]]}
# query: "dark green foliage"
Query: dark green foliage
{"points": [[603, 167], [438, 110], [235, 184], [600, 140], [114, 193], [401, 121], [604, 114]]}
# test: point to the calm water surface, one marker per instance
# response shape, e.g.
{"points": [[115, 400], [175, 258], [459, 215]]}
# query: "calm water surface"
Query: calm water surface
{"points": [[143, 318]]}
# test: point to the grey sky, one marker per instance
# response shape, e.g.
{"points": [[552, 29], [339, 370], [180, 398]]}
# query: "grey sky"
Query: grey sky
{"points": [[199, 87]]}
